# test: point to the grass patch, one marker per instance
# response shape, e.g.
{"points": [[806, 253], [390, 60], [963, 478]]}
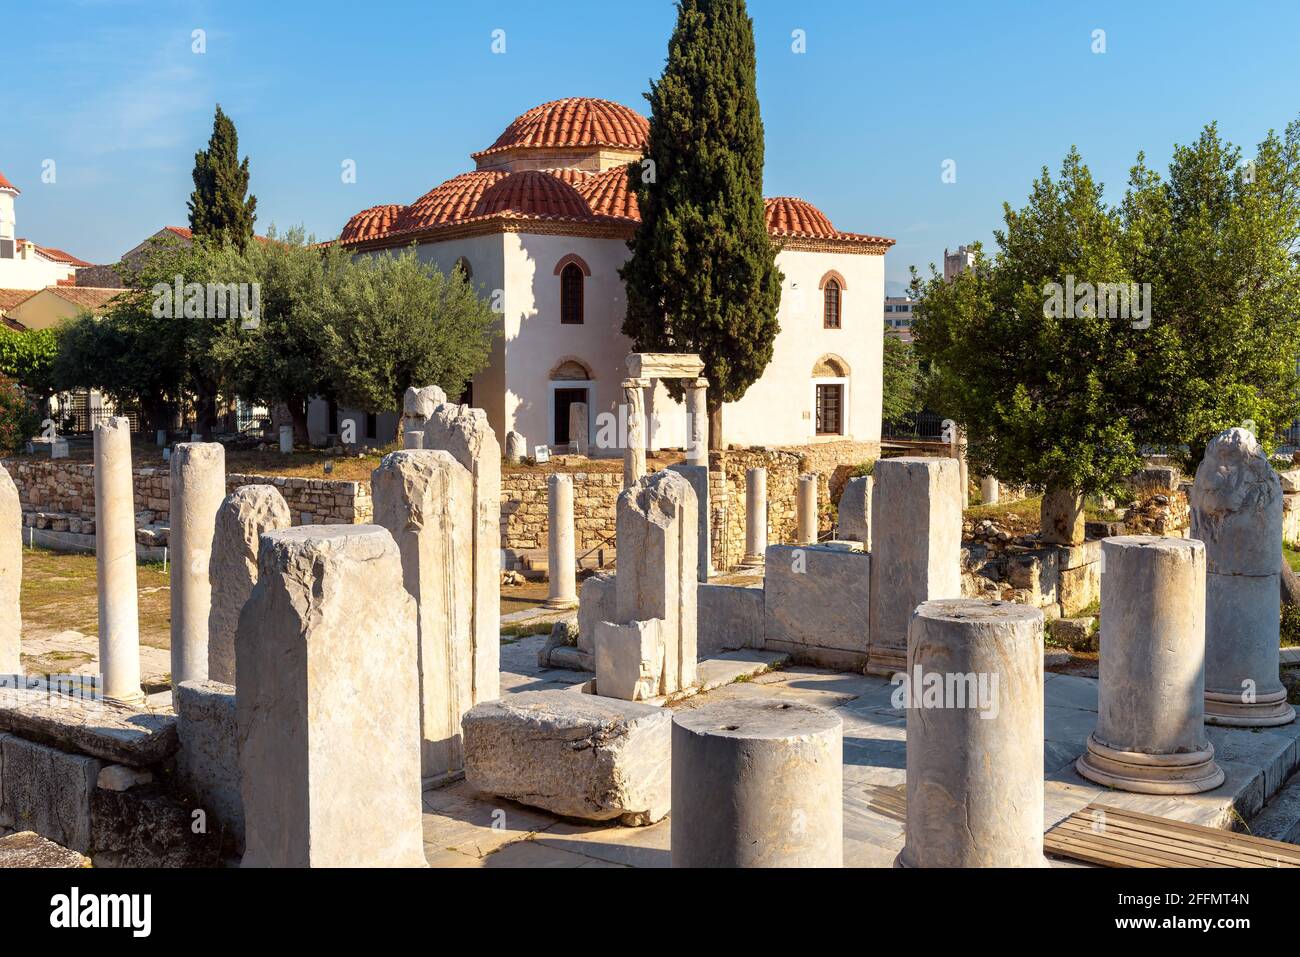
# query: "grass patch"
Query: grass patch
{"points": [[59, 592], [516, 632], [1292, 556]]}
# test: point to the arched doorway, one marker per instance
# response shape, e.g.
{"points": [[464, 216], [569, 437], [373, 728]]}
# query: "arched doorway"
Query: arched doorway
{"points": [[571, 383], [830, 398]]}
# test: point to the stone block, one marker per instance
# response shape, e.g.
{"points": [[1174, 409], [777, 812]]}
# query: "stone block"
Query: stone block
{"points": [[27, 849], [596, 602], [114, 732], [817, 599], [855, 510], [207, 764], [149, 827], [328, 710], [48, 791], [1290, 480], [1077, 634], [577, 755], [729, 617], [629, 659], [1078, 588]]}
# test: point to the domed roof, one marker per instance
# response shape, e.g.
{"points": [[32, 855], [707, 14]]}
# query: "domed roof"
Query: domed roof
{"points": [[576, 121], [791, 216], [369, 223], [5, 184], [607, 194], [532, 193], [447, 202]]}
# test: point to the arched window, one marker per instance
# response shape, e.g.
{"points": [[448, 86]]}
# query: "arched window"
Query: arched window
{"points": [[571, 295], [466, 270], [831, 305]]}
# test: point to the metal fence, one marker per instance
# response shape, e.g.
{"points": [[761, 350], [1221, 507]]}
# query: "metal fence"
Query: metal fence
{"points": [[920, 426], [77, 416]]}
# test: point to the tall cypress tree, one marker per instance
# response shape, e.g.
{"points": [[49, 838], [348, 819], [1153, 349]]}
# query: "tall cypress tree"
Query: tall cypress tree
{"points": [[702, 276], [220, 208]]}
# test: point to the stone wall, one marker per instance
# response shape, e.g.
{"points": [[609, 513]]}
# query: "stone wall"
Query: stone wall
{"points": [[68, 489], [523, 509]]}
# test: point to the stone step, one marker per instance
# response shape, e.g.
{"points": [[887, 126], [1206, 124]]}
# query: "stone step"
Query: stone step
{"points": [[1280, 819]]}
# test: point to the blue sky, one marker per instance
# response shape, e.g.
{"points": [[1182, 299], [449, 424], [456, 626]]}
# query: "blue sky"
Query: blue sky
{"points": [[859, 124]]}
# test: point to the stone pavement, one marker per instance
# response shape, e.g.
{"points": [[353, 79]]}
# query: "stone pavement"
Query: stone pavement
{"points": [[466, 829]]}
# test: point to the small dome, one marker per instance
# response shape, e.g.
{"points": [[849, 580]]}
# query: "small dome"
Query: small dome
{"points": [[369, 223], [791, 216], [607, 194], [574, 122], [448, 202], [532, 193]]}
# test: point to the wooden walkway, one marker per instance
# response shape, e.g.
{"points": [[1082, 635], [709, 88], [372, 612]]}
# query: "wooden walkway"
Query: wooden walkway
{"points": [[1115, 837]]}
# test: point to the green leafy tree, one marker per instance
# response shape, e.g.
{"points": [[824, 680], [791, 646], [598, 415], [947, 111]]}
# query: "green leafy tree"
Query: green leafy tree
{"points": [[395, 322], [1218, 242], [902, 380], [27, 357], [702, 274], [19, 419], [220, 207], [1041, 383], [281, 355]]}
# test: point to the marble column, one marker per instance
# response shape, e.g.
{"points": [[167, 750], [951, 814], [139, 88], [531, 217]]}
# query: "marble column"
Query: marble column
{"points": [[561, 555], [244, 517], [1236, 503], [755, 517], [758, 783], [806, 509], [328, 709], [198, 487], [974, 695], [916, 549], [119, 616], [425, 500], [11, 576], [634, 451], [855, 511], [989, 490], [1150, 734], [697, 422]]}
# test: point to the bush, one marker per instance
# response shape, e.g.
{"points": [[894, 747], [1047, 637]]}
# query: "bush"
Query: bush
{"points": [[19, 419], [1290, 626]]}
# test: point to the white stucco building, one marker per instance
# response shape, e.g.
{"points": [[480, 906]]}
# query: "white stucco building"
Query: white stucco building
{"points": [[541, 227], [24, 264]]}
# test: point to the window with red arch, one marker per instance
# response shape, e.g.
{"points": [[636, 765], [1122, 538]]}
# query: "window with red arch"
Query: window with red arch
{"points": [[571, 295], [831, 300]]}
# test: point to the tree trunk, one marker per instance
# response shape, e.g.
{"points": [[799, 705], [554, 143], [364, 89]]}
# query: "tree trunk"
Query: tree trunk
{"points": [[205, 412], [1061, 516], [715, 427], [298, 413]]}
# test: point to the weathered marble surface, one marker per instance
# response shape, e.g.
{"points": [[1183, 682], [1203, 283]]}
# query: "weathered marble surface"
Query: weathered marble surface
{"points": [[855, 510], [578, 755], [109, 730], [818, 597]]}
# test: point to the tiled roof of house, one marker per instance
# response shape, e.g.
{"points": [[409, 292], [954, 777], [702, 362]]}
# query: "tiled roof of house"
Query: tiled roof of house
{"points": [[568, 199], [87, 297], [12, 297], [58, 255], [5, 184], [576, 121]]}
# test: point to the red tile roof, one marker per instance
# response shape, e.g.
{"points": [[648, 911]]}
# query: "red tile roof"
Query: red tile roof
{"points": [[447, 202], [577, 121], [5, 184], [794, 218], [9, 298], [58, 255], [532, 193], [87, 297], [607, 194], [184, 232], [369, 223]]}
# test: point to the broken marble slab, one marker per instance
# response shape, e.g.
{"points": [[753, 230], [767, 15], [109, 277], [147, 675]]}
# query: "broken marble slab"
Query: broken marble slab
{"points": [[103, 729], [577, 755]]}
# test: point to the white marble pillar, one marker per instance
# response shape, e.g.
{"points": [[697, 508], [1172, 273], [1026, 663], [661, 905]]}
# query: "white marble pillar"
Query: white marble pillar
{"points": [[757, 783], [425, 500], [328, 710], [755, 516], [1236, 503], [561, 555], [634, 451], [1150, 734], [916, 549], [697, 422], [806, 510], [974, 695], [119, 616], [989, 490], [286, 439], [198, 487], [11, 576], [855, 511]]}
